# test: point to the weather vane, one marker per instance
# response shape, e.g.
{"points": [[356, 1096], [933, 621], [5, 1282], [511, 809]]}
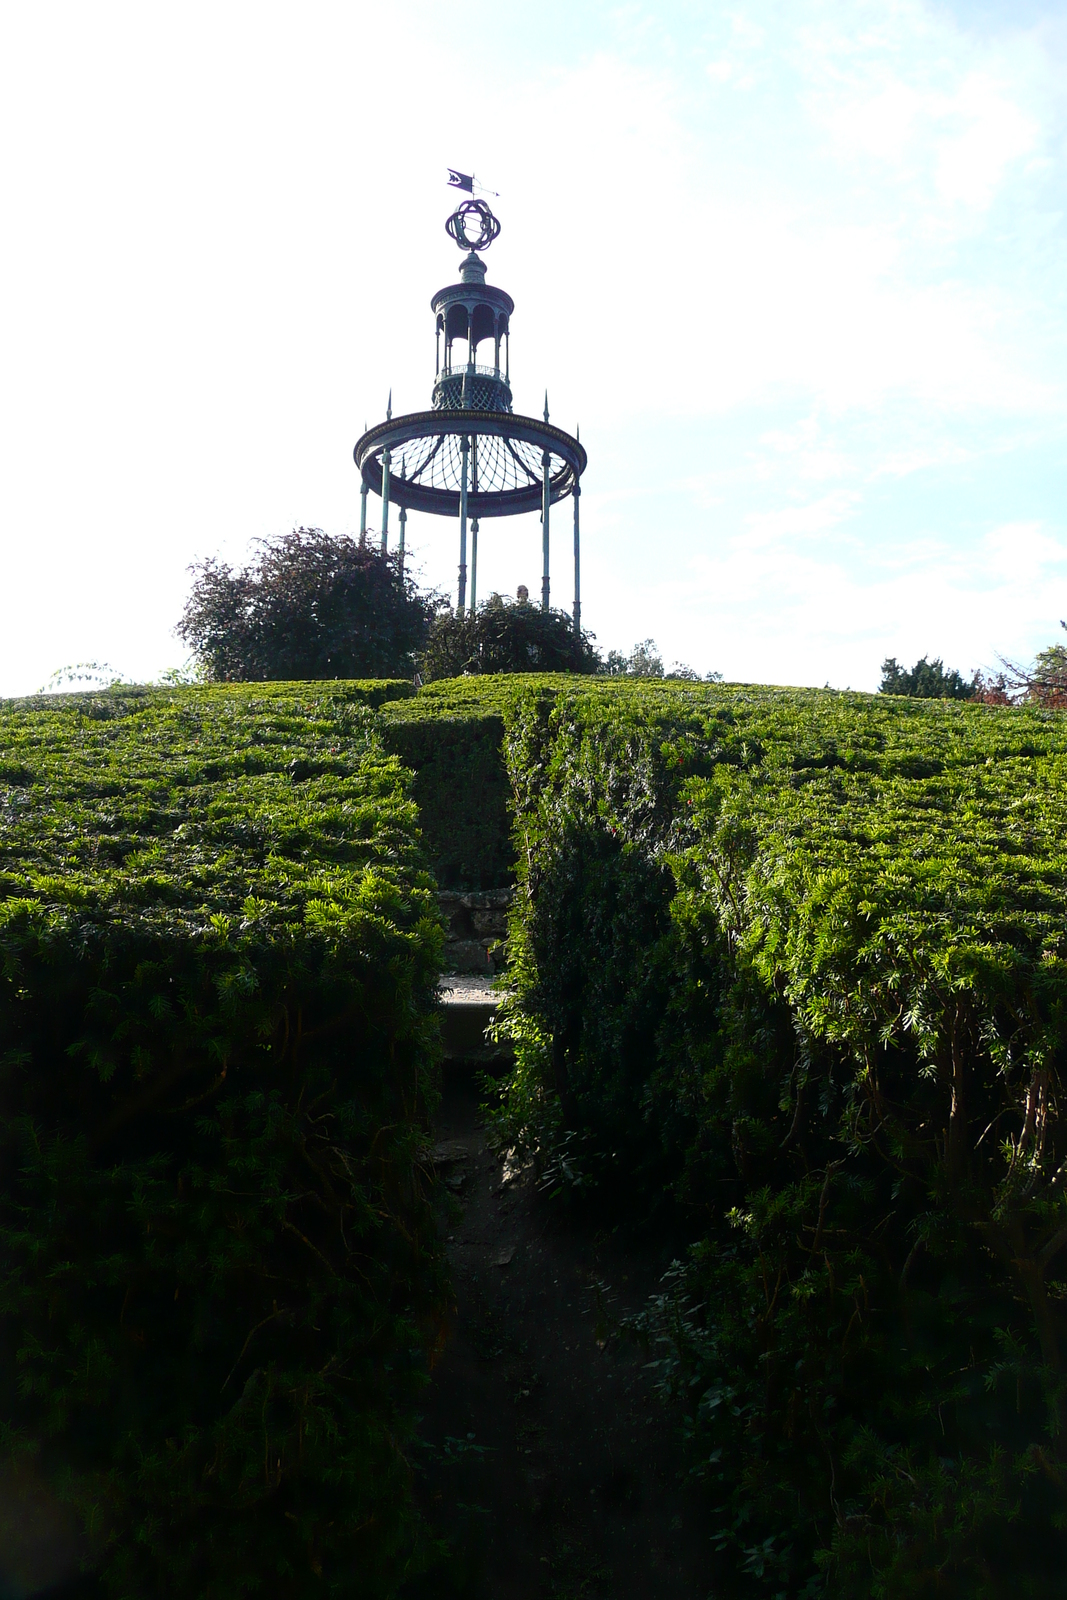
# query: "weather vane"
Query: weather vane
{"points": [[467, 180]]}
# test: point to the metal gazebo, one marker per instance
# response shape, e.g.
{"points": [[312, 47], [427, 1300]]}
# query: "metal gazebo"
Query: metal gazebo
{"points": [[470, 456]]}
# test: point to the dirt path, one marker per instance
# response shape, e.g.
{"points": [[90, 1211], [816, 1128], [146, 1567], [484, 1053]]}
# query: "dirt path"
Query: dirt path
{"points": [[549, 1463]]}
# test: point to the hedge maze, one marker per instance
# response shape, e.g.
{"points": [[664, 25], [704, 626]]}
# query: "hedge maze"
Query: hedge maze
{"points": [[787, 970]]}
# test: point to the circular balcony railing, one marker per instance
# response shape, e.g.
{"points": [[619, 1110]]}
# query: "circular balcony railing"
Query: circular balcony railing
{"points": [[505, 457], [472, 388]]}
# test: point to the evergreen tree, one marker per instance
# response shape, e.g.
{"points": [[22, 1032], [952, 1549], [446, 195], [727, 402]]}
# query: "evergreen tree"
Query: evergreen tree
{"points": [[926, 680]]}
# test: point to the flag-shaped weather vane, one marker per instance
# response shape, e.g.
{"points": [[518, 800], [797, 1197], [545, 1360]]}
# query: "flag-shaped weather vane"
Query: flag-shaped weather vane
{"points": [[467, 181]]}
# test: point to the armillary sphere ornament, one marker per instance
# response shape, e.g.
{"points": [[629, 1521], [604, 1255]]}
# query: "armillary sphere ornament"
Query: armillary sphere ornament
{"points": [[472, 225]]}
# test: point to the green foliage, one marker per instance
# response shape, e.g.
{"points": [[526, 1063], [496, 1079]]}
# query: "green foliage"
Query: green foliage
{"points": [[1045, 683], [926, 680], [645, 661], [506, 636], [310, 606], [450, 735], [804, 956], [1050, 669], [218, 956]]}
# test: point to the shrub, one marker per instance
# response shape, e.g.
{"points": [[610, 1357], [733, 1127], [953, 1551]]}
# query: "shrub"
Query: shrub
{"points": [[803, 956], [310, 606], [218, 954], [506, 636]]}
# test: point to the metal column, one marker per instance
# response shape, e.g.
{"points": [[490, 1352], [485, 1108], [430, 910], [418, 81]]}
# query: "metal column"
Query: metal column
{"points": [[363, 513], [386, 463], [474, 524], [546, 496], [403, 532], [464, 450], [474, 563], [577, 568]]}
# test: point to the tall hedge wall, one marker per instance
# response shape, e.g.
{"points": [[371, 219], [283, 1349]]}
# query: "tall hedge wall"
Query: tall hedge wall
{"points": [[218, 956], [451, 735], [800, 960]]}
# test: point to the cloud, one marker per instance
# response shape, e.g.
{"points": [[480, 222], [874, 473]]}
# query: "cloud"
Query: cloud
{"points": [[792, 522], [1021, 552], [973, 163]]}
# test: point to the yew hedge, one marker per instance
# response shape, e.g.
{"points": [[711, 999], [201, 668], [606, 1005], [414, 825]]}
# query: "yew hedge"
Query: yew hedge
{"points": [[799, 960], [451, 735], [220, 1275]]}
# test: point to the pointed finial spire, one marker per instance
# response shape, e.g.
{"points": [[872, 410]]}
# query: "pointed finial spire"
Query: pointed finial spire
{"points": [[546, 405], [389, 408], [578, 432]]}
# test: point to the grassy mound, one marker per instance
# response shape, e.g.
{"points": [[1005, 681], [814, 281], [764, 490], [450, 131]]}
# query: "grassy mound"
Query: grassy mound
{"points": [[218, 955]]}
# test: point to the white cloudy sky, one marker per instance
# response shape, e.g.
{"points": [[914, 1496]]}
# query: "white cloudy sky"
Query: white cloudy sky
{"points": [[797, 267]]}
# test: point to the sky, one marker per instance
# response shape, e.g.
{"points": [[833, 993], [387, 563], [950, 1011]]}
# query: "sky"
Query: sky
{"points": [[797, 269]]}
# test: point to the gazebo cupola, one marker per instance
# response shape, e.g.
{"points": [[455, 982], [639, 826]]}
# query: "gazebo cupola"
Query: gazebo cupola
{"points": [[470, 457], [473, 315]]}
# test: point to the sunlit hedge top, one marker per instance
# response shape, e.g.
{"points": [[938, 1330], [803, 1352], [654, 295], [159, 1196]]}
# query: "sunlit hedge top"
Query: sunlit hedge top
{"points": [[182, 805]]}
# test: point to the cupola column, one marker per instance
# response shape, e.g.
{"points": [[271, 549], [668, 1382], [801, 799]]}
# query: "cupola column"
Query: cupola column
{"points": [[474, 524], [577, 568], [464, 447], [474, 563], [546, 500], [387, 461]]}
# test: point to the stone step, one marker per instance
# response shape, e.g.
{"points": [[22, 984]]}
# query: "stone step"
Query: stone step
{"points": [[470, 1003]]}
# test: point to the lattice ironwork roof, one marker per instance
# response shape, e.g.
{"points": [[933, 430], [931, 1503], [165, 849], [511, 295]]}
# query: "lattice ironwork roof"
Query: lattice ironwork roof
{"points": [[505, 462]]}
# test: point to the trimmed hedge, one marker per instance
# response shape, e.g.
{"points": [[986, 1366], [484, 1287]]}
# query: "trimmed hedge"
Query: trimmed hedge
{"points": [[802, 958], [451, 736], [218, 958]]}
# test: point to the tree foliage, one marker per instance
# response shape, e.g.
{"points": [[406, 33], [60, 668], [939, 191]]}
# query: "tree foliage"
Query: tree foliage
{"points": [[1043, 684], [645, 661], [309, 606], [506, 636], [926, 680]]}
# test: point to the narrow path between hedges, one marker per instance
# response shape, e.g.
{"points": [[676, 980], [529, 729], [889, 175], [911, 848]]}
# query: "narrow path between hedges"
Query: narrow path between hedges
{"points": [[549, 1462]]}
